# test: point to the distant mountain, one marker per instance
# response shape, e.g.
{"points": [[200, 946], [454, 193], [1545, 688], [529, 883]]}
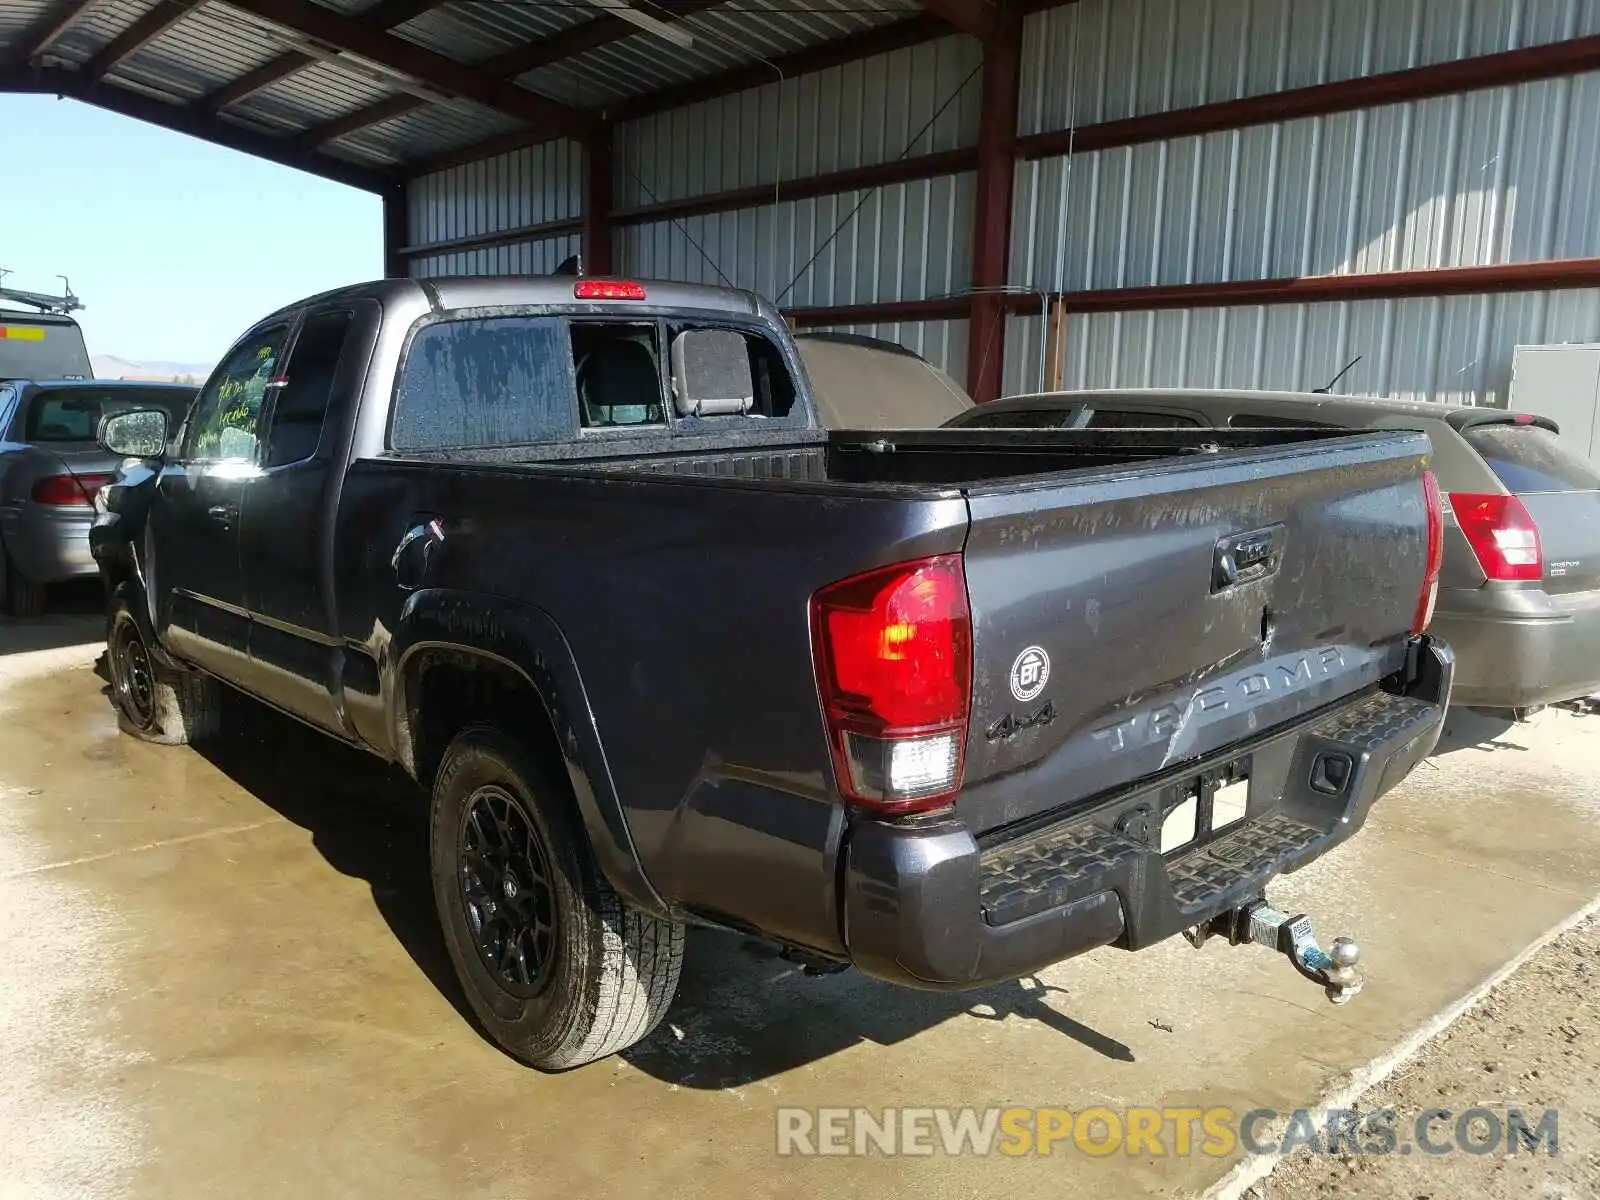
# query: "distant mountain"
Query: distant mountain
{"points": [[109, 366]]}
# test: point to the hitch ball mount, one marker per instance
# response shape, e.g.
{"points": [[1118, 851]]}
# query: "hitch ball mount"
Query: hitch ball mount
{"points": [[1258, 923]]}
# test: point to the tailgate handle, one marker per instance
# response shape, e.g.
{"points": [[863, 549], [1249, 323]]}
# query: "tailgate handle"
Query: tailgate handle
{"points": [[1247, 557]]}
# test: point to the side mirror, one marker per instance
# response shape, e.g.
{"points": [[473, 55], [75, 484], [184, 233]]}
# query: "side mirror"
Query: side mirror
{"points": [[134, 433], [711, 373]]}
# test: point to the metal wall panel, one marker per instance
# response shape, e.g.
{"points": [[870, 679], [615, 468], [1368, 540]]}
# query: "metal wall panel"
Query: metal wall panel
{"points": [[1101, 60], [528, 258], [905, 242], [525, 187], [864, 112], [1453, 349], [1490, 177]]}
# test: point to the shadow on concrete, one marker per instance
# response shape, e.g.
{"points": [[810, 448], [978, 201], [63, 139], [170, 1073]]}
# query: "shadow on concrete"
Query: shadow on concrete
{"points": [[1477, 730], [368, 820], [742, 1013], [77, 614]]}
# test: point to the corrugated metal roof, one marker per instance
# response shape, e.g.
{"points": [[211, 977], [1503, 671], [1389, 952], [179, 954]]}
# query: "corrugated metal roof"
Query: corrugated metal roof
{"points": [[473, 30], [216, 44], [197, 54], [429, 130], [18, 15], [738, 33], [98, 25], [319, 93]]}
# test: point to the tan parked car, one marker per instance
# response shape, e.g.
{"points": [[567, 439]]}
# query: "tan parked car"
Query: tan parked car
{"points": [[1519, 596]]}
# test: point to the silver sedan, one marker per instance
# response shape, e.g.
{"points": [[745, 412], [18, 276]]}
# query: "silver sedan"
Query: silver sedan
{"points": [[50, 469]]}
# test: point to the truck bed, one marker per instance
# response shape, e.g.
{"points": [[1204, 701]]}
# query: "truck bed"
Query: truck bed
{"points": [[940, 459]]}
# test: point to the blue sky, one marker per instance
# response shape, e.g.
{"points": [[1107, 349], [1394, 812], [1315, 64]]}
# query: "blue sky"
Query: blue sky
{"points": [[173, 245]]}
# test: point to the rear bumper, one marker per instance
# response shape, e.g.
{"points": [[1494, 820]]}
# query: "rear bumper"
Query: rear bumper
{"points": [[926, 905], [1518, 661], [49, 544]]}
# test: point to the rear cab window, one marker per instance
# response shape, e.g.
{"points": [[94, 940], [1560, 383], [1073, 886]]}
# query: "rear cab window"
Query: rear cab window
{"points": [[42, 347], [475, 382], [1530, 458]]}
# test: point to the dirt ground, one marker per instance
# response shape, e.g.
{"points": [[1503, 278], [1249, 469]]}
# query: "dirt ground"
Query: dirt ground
{"points": [[1533, 1043]]}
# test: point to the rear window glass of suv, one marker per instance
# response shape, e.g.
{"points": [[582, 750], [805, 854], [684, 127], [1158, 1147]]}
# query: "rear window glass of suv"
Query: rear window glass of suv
{"points": [[1260, 421], [485, 381], [1117, 418], [1014, 418], [1527, 458], [73, 414]]}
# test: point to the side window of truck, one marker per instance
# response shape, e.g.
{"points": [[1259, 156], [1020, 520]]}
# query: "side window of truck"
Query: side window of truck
{"points": [[228, 413], [485, 381], [301, 407], [617, 366], [771, 383]]}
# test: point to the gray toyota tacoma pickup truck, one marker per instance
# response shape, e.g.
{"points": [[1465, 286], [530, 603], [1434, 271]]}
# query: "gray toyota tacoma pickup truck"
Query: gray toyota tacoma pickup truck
{"points": [[945, 705]]}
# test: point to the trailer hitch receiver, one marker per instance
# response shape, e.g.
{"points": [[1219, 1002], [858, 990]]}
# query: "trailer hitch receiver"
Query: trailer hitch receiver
{"points": [[1258, 923]]}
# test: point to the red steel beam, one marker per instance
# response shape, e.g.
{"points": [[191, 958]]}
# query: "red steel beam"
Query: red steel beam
{"points": [[426, 66], [976, 17], [1540, 276], [1549, 61], [991, 232], [396, 228], [143, 31], [599, 165], [251, 82]]}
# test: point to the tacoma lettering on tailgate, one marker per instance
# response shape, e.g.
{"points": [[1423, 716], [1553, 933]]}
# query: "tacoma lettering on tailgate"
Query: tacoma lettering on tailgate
{"points": [[1164, 722]]}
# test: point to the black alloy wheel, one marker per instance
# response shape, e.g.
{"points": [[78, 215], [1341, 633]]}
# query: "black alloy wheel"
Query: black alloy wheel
{"points": [[506, 890]]}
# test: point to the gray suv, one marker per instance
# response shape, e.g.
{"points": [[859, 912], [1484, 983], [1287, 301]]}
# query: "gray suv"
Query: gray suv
{"points": [[1519, 595]]}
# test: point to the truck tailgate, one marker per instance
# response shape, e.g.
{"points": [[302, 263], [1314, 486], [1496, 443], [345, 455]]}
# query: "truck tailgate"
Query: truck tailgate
{"points": [[1129, 620]]}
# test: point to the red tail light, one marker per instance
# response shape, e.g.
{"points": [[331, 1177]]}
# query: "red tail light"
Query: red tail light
{"points": [[69, 491], [607, 289], [1501, 534], [893, 652], [1430, 578]]}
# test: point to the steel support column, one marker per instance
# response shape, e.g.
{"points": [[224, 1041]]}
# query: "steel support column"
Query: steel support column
{"points": [[395, 231], [991, 235], [598, 177]]}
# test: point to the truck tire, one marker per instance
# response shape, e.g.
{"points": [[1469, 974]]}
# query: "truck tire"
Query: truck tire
{"points": [[557, 966], [154, 702], [23, 597]]}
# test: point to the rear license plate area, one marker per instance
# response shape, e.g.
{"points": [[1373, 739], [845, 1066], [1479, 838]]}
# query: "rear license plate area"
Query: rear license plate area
{"points": [[1206, 805]]}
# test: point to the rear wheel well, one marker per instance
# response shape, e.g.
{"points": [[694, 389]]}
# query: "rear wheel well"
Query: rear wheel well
{"points": [[447, 690]]}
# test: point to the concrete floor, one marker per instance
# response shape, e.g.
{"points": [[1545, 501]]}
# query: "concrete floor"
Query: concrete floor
{"points": [[221, 975]]}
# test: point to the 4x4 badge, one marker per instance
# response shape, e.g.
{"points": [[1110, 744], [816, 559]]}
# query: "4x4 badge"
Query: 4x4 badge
{"points": [[1029, 673]]}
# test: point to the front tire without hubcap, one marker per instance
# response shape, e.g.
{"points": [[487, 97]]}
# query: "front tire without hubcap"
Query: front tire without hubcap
{"points": [[558, 967], [154, 702]]}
